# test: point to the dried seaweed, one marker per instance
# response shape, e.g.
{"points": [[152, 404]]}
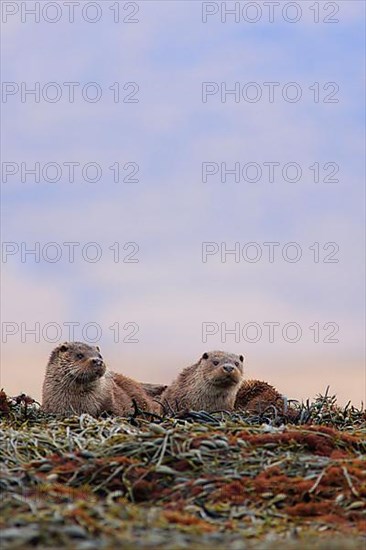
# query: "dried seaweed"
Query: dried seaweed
{"points": [[194, 480]]}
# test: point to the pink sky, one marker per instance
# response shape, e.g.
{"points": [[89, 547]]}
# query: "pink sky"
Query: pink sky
{"points": [[170, 212]]}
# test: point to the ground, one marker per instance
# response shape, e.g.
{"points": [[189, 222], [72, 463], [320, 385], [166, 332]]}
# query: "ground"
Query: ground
{"points": [[199, 481]]}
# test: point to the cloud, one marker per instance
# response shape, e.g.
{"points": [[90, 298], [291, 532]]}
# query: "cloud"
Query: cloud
{"points": [[170, 212]]}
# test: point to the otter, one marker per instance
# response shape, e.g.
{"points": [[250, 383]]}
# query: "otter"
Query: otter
{"points": [[211, 384], [255, 396], [77, 381], [154, 390]]}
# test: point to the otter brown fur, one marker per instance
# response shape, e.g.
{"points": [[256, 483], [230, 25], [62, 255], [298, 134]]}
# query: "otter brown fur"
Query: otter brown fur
{"points": [[211, 384], [153, 390], [136, 391], [77, 381], [256, 396]]}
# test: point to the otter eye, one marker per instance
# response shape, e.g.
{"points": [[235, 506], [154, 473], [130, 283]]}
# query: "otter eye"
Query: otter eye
{"points": [[80, 356], [236, 363], [215, 363]]}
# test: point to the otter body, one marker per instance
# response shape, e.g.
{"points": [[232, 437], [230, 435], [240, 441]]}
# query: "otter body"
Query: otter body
{"points": [[154, 390], [77, 381], [256, 396], [211, 384]]}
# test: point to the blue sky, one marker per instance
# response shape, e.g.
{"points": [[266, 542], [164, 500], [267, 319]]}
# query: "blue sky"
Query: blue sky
{"points": [[170, 212]]}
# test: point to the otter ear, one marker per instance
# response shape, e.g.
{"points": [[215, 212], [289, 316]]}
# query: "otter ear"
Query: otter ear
{"points": [[241, 358], [205, 356], [64, 347], [97, 348]]}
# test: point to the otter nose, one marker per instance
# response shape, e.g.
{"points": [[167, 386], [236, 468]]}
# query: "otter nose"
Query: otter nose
{"points": [[98, 362], [228, 368]]}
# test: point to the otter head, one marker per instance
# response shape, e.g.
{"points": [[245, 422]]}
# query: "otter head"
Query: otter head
{"points": [[77, 362], [222, 369]]}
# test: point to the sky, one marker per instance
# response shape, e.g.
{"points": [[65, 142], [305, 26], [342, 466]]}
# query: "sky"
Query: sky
{"points": [[217, 197]]}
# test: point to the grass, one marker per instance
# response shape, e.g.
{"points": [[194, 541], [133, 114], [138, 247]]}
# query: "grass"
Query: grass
{"points": [[196, 481]]}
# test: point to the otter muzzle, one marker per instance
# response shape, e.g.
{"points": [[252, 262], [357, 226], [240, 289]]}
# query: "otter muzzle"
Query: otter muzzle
{"points": [[227, 367]]}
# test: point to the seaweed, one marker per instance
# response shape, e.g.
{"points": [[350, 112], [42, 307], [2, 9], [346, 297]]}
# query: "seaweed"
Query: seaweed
{"points": [[193, 480]]}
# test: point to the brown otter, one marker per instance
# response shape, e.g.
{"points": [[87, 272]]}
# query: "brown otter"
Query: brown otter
{"points": [[256, 397], [211, 384], [77, 381], [154, 390]]}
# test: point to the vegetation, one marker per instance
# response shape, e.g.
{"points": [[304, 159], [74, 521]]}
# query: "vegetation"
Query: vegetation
{"points": [[196, 480]]}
